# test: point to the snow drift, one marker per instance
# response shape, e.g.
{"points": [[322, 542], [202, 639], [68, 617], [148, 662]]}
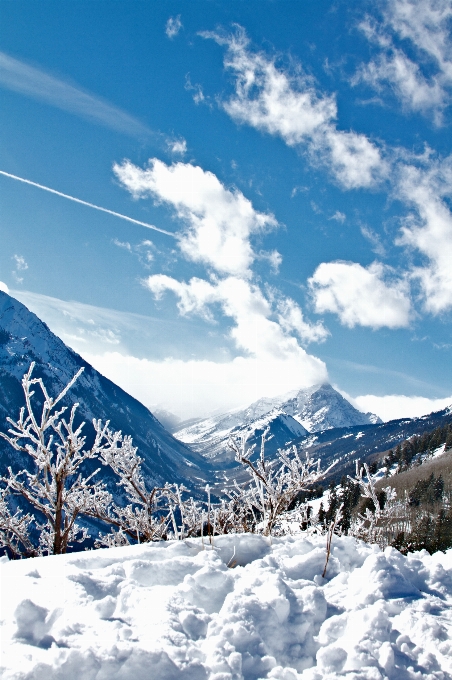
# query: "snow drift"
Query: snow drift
{"points": [[176, 611]]}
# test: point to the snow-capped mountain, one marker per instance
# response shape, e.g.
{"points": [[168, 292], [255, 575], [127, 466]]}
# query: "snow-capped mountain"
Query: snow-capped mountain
{"points": [[314, 409], [24, 338], [321, 407], [210, 437]]}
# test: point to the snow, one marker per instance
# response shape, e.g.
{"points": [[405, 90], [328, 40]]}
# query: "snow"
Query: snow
{"points": [[175, 611]]}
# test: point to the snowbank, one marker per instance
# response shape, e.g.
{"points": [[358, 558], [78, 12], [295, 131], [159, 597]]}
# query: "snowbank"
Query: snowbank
{"points": [[173, 611]]}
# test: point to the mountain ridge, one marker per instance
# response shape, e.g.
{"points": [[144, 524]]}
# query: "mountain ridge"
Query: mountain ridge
{"points": [[320, 407], [25, 338]]}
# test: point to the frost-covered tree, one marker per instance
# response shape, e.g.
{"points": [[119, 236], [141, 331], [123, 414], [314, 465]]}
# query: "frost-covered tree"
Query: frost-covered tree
{"points": [[274, 485], [151, 514], [15, 529], [380, 522], [58, 488]]}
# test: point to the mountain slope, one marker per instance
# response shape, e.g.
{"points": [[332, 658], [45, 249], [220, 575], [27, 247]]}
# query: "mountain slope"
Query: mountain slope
{"points": [[24, 338], [363, 443]]}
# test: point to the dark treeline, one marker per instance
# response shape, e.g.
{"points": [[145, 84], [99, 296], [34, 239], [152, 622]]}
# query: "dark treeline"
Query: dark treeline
{"points": [[406, 452]]}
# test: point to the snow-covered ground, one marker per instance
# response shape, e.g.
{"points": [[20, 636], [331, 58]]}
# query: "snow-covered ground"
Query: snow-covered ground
{"points": [[176, 611]]}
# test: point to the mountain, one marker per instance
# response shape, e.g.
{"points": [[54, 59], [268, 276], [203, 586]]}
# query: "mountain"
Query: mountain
{"points": [[23, 339], [315, 409], [321, 407], [211, 438], [365, 443]]}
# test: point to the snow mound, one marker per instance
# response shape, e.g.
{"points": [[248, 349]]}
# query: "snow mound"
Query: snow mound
{"points": [[177, 611]]}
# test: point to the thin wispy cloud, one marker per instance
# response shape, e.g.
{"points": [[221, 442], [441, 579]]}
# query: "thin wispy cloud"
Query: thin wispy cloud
{"points": [[374, 239], [33, 82], [20, 266], [173, 26], [423, 26], [178, 147], [338, 217]]}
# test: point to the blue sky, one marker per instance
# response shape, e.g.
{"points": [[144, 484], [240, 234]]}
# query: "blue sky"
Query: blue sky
{"points": [[296, 153]]}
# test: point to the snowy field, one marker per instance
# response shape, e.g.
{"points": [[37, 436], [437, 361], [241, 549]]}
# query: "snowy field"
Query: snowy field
{"points": [[176, 611]]}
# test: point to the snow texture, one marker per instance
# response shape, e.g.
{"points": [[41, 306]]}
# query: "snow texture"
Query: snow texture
{"points": [[176, 611]]}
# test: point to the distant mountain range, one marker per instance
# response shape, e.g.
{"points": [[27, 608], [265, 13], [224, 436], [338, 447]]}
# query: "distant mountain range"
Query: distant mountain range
{"points": [[288, 417], [24, 338]]}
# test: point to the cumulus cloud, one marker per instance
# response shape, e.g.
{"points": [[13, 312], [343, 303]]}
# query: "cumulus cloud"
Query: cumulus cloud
{"points": [[173, 26], [218, 225], [272, 100], [426, 25], [392, 406], [218, 221], [429, 230], [255, 331], [364, 296], [290, 317]]}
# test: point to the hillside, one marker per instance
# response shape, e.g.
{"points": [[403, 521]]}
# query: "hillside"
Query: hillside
{"points": [[24, 338]]}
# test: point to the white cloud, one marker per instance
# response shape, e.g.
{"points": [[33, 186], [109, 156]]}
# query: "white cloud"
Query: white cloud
{"points": [[4, 288], [393, 406], [33, 82], [361, 296], [338, 217], [408, 83], [430, 232], [198, 96], [352, 158], [374, 239], [255, 332], [146, 357], [219, 225], [173, 26], [270, 99], [178, 147], [87, 328], [290, 317], [20, 266], [219, 221], [195, 388], [145, 250], [426, 25]]}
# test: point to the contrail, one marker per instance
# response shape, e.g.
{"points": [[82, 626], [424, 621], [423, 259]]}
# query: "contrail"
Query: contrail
{"points": [[90, 205]]}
